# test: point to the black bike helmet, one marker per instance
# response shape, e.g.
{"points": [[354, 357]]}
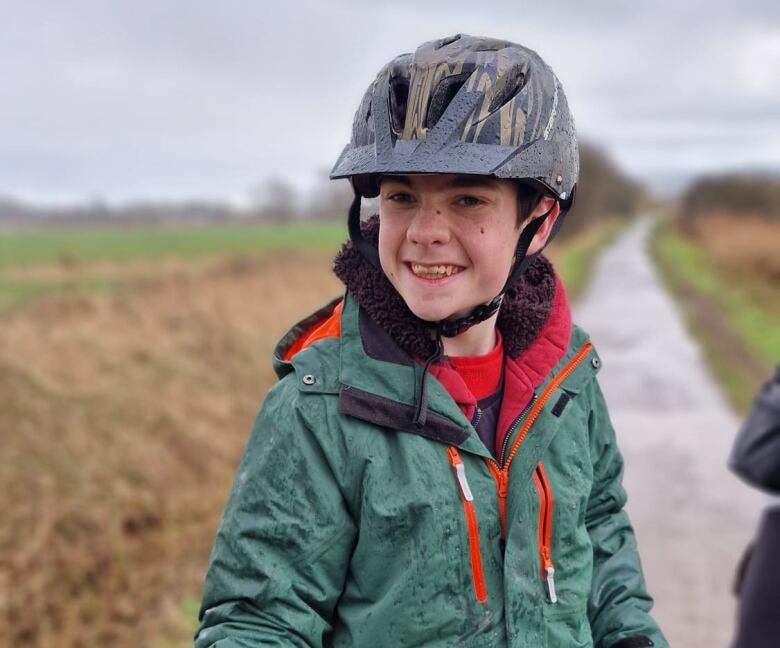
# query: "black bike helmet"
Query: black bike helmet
{"points": [[464, 105]]}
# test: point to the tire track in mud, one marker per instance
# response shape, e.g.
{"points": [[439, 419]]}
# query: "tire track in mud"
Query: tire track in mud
{"points": [[692, 517]]}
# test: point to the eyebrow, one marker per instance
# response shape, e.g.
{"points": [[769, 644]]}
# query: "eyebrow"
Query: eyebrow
{"points": [[459, 181]]}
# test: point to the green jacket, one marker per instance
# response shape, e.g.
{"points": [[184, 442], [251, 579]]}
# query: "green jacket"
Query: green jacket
{"points": [[348, 525]]}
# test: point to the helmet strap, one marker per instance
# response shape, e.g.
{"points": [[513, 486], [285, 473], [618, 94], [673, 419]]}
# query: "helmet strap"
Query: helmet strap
{"points": [[522, 261], [356, 235]]}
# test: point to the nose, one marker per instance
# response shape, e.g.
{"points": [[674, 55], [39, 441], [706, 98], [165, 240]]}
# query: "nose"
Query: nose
{"points": [[428, 226]]}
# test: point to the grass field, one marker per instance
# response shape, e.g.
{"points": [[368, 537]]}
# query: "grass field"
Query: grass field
{"points": [[129, 378], [35, 263], [727, 284], [34, 248]]}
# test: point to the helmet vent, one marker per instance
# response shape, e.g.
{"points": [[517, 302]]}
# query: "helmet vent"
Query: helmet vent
{"points": [[446, 41], [445, 92], [369, 123], [399, 95], [513, 83], [490, 45]]}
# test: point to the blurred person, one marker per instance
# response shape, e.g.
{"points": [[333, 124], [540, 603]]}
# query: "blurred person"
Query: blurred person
{"points": [[436, 465], [756, 459]]}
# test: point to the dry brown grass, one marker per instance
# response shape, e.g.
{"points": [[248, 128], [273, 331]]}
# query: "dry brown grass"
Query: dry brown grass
{"points": [[748, 245], [724, 269], [123, 417]]}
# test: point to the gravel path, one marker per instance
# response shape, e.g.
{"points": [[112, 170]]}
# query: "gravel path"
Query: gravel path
{"points": [[692, 517]]}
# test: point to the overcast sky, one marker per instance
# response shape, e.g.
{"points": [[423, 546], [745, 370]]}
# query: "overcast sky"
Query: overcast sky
{"points": [[169, 99]]}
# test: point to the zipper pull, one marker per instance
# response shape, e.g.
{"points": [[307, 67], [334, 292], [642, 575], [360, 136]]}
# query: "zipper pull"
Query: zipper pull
{"points": [[551, 584], [460, 474], [549, 571]]}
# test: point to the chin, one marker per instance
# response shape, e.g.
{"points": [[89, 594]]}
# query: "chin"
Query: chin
{"points": [[428, 313], [436, 313]]}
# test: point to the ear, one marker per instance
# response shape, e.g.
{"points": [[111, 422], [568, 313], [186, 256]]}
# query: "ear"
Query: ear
{"points": [[543, 233]]}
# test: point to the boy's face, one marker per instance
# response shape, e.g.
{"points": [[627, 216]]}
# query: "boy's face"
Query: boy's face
{"points": [[447, 242]]}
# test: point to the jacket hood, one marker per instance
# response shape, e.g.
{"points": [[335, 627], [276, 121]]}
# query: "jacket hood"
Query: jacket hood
{"points": [[524, 312]]}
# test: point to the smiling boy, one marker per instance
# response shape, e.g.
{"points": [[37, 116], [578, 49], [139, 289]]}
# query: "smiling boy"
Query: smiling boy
{"points": [[436, 465], [447, 243]]}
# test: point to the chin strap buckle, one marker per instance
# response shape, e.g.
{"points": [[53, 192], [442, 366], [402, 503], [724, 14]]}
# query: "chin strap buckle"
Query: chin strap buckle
{"points": [[453, 328]]}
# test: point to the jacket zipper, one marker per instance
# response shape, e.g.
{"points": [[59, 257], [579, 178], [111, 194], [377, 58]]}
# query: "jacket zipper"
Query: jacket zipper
{"points": [[545, 530], [502, 477], [501, 472], [513, 427], [477, 417], [467, 498]]}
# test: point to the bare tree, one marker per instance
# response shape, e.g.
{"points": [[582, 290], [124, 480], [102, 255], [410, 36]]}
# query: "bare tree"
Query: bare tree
{"points": [[275, 199]]}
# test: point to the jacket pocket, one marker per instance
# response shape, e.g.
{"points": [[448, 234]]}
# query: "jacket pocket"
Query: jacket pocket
{"points": [[472, 525], [545, 523]]}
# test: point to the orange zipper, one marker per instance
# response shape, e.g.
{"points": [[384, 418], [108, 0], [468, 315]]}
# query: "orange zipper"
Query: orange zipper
{"points": [[501, 473], [475, 553], [545, 530], [502, 482]]}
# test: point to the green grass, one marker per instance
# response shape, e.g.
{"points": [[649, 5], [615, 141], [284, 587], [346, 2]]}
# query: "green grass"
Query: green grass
{"points": [[34, 248], [745, 311], [77, 248]]}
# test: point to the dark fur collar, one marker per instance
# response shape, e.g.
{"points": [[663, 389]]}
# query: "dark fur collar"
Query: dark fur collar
{"points": [[525, 310]]}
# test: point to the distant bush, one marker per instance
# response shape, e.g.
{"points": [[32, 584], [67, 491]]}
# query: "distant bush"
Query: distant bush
{"points": [[733, 193], [603, 191]]}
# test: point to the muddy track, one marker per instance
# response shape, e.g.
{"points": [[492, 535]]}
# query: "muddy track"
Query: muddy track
{"points": [[691, 516]]}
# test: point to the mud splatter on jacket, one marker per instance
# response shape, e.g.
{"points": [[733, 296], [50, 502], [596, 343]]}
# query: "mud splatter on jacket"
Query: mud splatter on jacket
{"points": [[348, 525]]}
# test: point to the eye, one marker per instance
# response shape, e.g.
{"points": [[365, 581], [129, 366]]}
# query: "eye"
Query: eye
{"points": [[470, 201], [400, 197]]}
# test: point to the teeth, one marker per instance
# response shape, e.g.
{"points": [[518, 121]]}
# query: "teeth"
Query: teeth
{"points": [[434, 272]]}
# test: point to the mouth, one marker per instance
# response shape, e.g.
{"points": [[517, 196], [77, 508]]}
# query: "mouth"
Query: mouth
{"points": [[433, 272]]}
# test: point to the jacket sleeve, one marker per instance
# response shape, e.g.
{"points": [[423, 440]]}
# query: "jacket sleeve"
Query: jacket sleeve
{"points": [[281, 553], [619, 605], [755, 456]]}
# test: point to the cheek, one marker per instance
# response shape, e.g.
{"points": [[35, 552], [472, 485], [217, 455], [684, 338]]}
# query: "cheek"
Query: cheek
{"points": [[502, 258], [388, 245]]}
